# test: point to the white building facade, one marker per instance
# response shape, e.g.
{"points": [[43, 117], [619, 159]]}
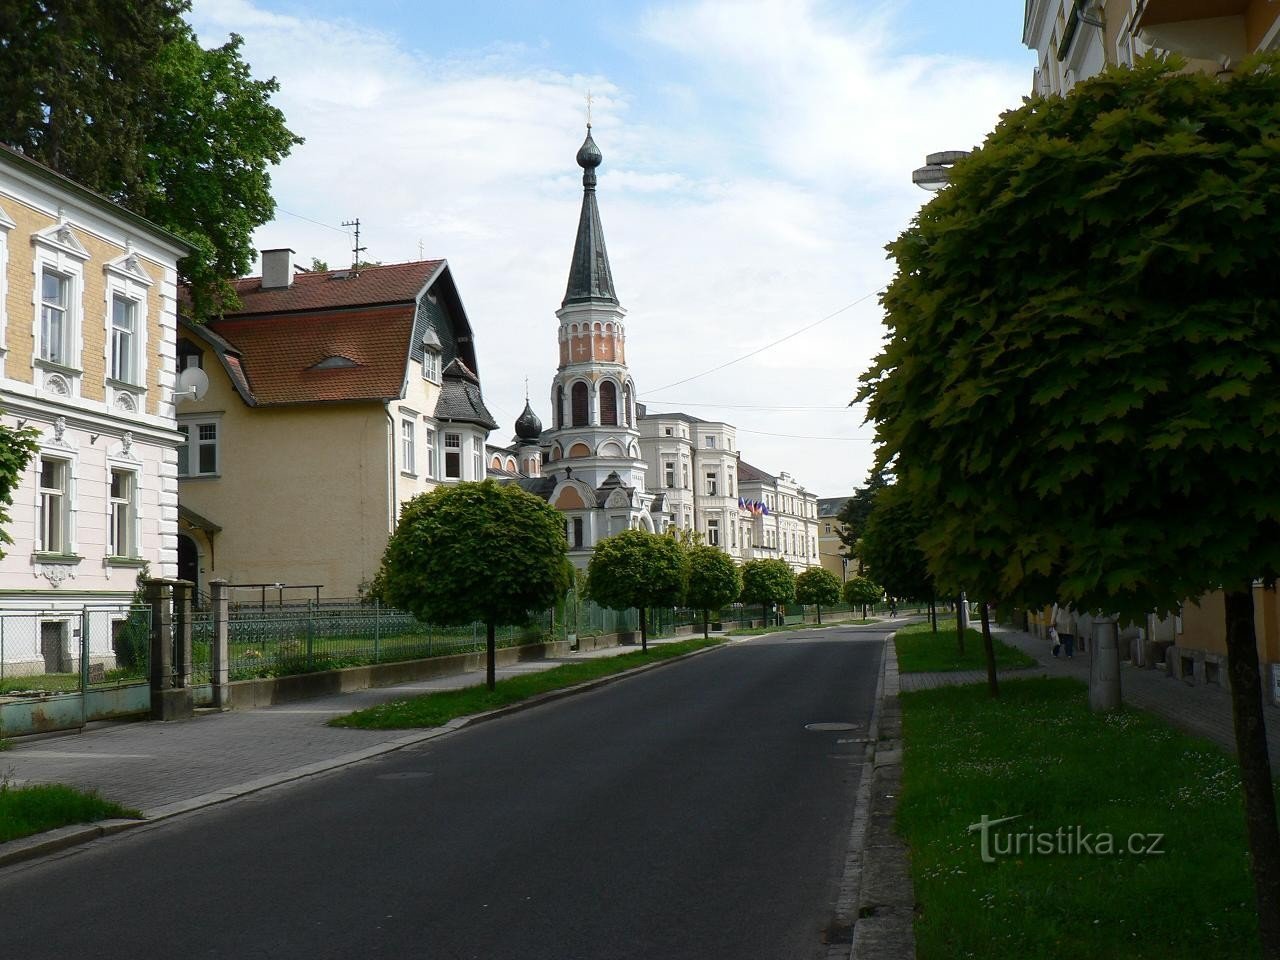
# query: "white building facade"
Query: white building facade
{"points": [[87, 332], [783, 517]]}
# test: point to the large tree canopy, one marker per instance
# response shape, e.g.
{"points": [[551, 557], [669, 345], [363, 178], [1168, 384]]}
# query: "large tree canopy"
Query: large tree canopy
{"points": [[1080, 386], [120, 96], [714, 580], [476, 552], [638, 569]]}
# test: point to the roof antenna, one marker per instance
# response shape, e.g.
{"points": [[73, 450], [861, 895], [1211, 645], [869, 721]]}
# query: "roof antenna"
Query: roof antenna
{"points": [[357, 249]]}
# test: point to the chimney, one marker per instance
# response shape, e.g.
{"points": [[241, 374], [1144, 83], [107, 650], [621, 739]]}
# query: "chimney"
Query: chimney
{"points": [[277, 268]]}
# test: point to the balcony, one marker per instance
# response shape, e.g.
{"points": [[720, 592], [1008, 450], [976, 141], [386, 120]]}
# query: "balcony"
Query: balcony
{"points": [[1209, 29]]}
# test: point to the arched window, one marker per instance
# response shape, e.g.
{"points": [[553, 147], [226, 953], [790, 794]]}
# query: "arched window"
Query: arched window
{"points": [[559, 406], [579, 450], [580, 406], [609, 404], [496, 463], [626, 405]]}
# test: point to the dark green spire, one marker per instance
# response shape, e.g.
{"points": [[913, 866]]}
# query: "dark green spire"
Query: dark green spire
{"points": [[590, 279]]}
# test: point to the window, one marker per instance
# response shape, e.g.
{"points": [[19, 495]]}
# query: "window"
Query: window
{"points": [[430, 467], [684, 475], [477, 460], [669, 431], [827, 527], [577, 533], [198, 452], [54, 476], [608, 404], [55, 328], [733, 534], [729, 484], [669, 473], [579, 402], [123, 511], [124, 353], [453, 456], [431, 365], [406, 446], [711, 483], [711, 442], [713, 533]]}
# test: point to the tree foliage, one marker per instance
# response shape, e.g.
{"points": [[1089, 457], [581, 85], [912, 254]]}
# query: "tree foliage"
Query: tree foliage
{"points": [[1080, 383], [817, 586], [714, 580], [891, 552], [120, 96], [768, 581], [856, 511], [17, 446], [476, 551], [861, 592], [638, 569]]}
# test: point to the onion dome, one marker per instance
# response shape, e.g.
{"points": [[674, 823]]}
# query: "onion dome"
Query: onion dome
{"points": [[528, 426]]}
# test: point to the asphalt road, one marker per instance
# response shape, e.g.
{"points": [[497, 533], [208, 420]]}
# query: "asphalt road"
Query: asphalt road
{"points": [[684, 813]]}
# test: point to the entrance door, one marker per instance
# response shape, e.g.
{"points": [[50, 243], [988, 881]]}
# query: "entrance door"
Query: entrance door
{"points": [[53, 647], [188, 561]]}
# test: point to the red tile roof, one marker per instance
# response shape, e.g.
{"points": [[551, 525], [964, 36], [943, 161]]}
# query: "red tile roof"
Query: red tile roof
{"points": [[391, 283], [278, 353]]}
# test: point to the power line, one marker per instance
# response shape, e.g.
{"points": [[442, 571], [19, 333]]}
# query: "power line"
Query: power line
{"points": [[767, 346], [741, 406], [797, 436], [327, 226]]}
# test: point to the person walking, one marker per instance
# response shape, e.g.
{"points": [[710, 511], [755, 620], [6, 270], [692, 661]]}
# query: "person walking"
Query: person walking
{"points": [[1064, 621]]}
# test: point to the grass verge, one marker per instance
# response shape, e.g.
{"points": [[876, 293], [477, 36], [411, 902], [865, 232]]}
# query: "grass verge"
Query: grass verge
{"points": [[34, 809], [1038, 753], [437, 709], [920, 650]]}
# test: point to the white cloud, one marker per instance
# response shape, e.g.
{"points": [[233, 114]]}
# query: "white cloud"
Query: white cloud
{"points": [[748, 194]]}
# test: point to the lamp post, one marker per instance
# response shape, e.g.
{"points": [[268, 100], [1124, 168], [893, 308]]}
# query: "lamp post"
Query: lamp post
{"points": [[936, 172]]}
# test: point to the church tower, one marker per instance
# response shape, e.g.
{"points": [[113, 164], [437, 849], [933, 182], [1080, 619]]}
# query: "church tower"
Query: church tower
{"points": [[593, 440]]}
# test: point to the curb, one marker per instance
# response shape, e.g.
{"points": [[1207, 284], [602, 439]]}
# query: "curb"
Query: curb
{"points": [[54, 841]]}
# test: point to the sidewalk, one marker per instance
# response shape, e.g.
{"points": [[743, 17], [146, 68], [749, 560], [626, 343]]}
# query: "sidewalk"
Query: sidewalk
{"points": [[159, 768], [1200, 709]]}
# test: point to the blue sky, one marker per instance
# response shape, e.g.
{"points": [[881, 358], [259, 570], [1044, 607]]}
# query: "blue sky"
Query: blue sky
{"points": [[757, 160]]}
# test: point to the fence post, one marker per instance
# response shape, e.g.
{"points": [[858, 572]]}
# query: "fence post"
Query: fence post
{"points": [[377, 628], [182, 590], [84, 666], [168, 700], [219, 665], [311, 630]]}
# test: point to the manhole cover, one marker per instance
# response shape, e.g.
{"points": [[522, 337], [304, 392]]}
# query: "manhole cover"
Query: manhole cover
{"points": [[830, 727], [405, 775]]}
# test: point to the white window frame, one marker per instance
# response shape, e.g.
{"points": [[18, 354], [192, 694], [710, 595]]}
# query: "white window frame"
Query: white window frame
{"points": [[65, 492], [669, 473], [58, 251], [430, 451], [431, 365], [713, 483], [457, 448], [122, 513], [477, 459], [6, 224], [408, 460], [58, 354], [128, 352], [710, 442], [713, 533], [194, 442]]}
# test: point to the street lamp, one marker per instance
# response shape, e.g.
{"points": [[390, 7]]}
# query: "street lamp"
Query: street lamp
{"points": [[936, 173]]}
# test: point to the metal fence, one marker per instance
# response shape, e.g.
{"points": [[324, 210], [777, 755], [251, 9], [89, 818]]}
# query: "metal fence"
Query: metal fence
{"points": [[61, 650], [312, 636]]}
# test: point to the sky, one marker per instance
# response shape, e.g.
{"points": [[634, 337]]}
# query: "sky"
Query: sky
{"points": [[757, 160]]}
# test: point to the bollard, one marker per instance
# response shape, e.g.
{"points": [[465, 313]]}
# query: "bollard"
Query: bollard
{"points": [[1104, 666]]}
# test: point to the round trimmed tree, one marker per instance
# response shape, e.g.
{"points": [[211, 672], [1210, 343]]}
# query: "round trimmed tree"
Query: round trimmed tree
{"points": [[861, 592], [766, 582], [638, 569], [472, 552], [714, 581], [819, 587]]}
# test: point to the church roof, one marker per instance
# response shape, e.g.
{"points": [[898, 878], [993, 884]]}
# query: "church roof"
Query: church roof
{"points": [[590, 279]]}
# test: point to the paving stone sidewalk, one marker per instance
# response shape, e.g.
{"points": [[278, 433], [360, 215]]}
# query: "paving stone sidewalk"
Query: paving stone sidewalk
{"points": [[1203, 710], [149, 766]]}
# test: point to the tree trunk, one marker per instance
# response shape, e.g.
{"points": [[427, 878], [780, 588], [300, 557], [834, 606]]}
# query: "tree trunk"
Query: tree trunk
{"points": [[959, 629], [491, 644], [864, 611], [1255, 766], [644, 630], [933, 612], [764, 615], [819, 614], [989, 650], [706, 624]]}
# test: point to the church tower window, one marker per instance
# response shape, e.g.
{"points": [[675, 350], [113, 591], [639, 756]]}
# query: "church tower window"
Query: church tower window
{"points": [[608, 404], [580, 406]]}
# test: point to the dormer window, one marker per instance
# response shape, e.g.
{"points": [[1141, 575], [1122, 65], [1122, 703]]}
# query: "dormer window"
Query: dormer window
{"points": [[335, 362], [431, 365]]}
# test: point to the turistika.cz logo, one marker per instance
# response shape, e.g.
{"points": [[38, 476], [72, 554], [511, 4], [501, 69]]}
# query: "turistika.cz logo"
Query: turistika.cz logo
{"points": [[1069, 841]]}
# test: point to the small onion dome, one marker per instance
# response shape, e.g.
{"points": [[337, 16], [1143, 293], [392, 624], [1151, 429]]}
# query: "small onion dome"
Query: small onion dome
{"points": [[528, 426], [589, 156]]}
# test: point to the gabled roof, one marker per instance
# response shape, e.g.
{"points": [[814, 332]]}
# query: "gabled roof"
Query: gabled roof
{"points": [[747, 473], [830, 506], [330, 289]]}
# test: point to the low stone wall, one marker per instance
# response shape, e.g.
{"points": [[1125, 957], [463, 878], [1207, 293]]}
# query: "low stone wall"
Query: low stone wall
{"points": [[248, 694]]}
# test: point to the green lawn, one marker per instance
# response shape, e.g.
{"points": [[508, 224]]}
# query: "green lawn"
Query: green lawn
{"points": [[1039, 754], [437, 709], [34, 809], [920, 650]]}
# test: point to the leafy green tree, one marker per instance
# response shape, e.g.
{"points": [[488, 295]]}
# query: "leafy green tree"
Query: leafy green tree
{"points": [[120, 96], [472, 552], [714, 581], [17, 446], [639, 569], [818, 586], [855, 513], [861, 592], [1084, 330], [767, 582], [891, 549]]}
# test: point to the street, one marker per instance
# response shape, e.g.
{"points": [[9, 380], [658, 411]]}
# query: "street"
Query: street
{"points": [[686, 812]]}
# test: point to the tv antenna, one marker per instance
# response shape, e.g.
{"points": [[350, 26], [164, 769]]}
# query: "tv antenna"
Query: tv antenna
{"points": [[357, 249]]}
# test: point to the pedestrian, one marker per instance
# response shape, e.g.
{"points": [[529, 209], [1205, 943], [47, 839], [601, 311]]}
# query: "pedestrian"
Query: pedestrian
{"points": [[1064, 621]]}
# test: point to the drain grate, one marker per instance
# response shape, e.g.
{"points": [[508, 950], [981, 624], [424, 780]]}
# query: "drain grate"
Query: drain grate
{"points": [[830, 727]]}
